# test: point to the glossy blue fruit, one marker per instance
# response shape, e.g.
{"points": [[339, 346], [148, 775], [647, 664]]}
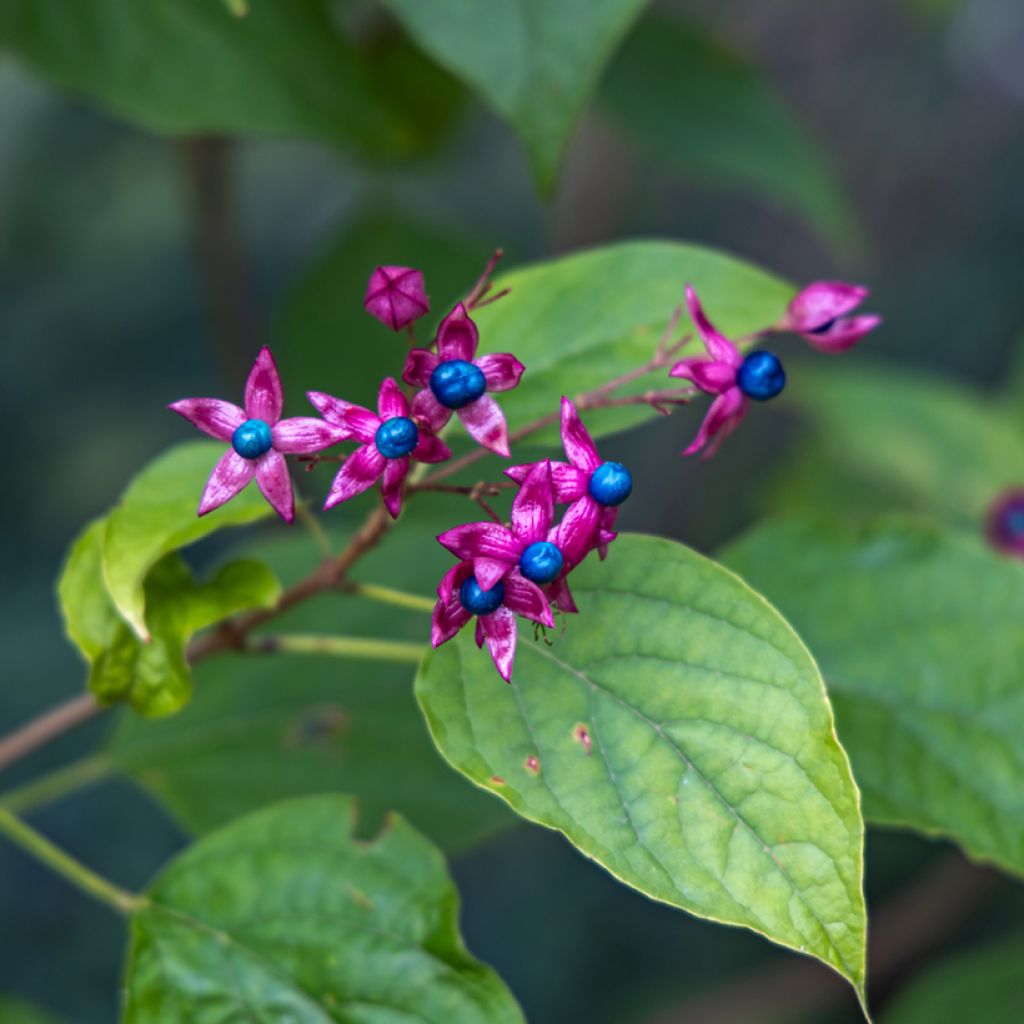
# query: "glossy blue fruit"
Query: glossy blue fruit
{"points": [[396, 437], [252, 439], [761, 376], [478, 601], [456, 383], [541, 562], [611, 483]]}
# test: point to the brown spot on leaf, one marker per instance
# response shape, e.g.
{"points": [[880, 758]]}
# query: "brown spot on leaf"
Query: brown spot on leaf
{"points": [[497, 780], [533, 764], [582, 735]]}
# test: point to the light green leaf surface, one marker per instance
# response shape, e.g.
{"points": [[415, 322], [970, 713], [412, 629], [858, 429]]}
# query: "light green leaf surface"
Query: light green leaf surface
{"points": [[263, 728], [678, 733], [919, 635], [580, 321], [535, 62], [983, 987], [90, 618], [708, 112], [157, 514], [283, 916], [190, 67]]}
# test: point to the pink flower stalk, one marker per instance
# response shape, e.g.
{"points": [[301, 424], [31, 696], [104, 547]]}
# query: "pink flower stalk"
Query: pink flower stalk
{"points": [[593, 487], [1005, 523], [396, 296], [542, 553], [454, 380], [389, 440], [259, 439], [460, 597], [818, 315]]}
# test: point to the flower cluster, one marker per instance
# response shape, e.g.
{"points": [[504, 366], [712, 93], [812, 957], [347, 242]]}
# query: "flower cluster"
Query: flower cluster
{"points": [[521, 568]]}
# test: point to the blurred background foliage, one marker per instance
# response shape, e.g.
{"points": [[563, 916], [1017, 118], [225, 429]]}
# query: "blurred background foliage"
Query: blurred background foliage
{"points": [[182, 188]]}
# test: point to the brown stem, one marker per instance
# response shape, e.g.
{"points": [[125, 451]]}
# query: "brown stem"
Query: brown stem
{"points": [[48, 726], [483, 283]]}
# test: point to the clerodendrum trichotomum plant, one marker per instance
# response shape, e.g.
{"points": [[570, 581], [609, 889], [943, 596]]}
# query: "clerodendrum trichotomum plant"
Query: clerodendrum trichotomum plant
{"points": [[619, 688]]}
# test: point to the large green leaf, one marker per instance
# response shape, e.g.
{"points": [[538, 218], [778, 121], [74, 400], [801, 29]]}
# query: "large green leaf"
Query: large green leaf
{"points": [[157, 514], [708, 111], [534, 61], [284, 916], [679, 734], [189, 66], [884, 438], [582, 320], [985, 986], [263, 728], [919, 634]]}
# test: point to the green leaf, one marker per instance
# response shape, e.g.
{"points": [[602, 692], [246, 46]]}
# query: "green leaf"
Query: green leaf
{"points": [[285, 916], [678, 733], [263, 728], [918, 632], [157, 514], [90, 618], [985, 986], [580, 321], [191, 66], [707, 111], [154, 675], [883, 438], [534, 61]]}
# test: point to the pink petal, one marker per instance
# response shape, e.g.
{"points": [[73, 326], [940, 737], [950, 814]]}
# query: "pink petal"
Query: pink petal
{"points": [[561, 597], [499, 630], [569, 483], [394, 478], [490, 571], [527, 599], [431, 448], [360, 423], [481, 540], [718, 345], [606, 531], [301, 435], [725, 414], [501, 371], [229, 476], [390, 400], [420, 363], [709, 375], [485, 423], [429, 411], [576, 440], [448, 618], [396, 296], [479, 633], [457, 337], [276, 484], [534, 506], [843, 334], [576, 534], [211, 415], [821, 302], [358, 472], [263, 397]]}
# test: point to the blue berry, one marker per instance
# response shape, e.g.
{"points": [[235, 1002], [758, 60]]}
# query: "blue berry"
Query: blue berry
{"points": [[396, 437], [252, 439], [611, 483], [456, 383], [478, 601], [541, 562], [761, 376]]}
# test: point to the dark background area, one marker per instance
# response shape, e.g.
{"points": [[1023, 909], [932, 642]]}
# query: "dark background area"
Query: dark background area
{"points": [[106, 314]]}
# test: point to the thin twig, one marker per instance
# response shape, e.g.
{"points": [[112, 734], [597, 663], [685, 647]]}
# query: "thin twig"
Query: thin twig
{"points": [[483, 283]]}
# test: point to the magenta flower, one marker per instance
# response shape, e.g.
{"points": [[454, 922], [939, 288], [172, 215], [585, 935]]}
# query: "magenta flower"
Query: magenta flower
{"points": [[460, 597], [396, 297], [453, 380], [1005, 523], [259, 439], [540, 552], [818, 314], [595, 486], [389, 440]]}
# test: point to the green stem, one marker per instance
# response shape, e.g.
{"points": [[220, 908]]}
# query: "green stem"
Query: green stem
{"points": [[340, 647], [388, 595], [66, 866], [310, 521], [56, 784]]}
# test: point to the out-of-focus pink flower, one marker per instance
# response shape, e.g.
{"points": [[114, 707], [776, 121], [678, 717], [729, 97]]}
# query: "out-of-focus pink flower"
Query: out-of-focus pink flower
{"points": [[1005, 523], [594, 488], [818, 314], [389, 440], [259, 439], [460, 597], [396, 297], [454, 380]]}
